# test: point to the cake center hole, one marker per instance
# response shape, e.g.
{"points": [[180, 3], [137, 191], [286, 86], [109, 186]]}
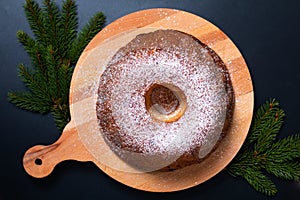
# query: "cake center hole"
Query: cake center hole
{"points": [[165, 102]]}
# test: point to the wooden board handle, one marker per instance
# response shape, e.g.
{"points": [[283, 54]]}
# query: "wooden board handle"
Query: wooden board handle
{"points": [[39, 161]]}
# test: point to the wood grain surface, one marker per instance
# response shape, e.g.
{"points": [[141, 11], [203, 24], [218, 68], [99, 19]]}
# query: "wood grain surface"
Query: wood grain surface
{"points": [[82, 140]]}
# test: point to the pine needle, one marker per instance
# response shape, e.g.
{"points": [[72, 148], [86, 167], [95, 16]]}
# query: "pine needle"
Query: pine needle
{"points": [[262, 153], [29, 102], [87, 33], [53, 51], [260, 182]]}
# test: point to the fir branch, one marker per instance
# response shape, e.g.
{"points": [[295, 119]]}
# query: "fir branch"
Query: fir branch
{"points": [[69, 25], [88, 32], [285, 149], [34, 81], [289, 170], [270, 128], [263, 154], [52, 65], [31, 48], [34, 15], [28, 101], [263, 120], [259, 181], [61, 115], [51, 17], [52, 56]]}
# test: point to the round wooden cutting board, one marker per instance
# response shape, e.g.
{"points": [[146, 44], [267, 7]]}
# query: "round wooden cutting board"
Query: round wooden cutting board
{"points": [[82, 140]]}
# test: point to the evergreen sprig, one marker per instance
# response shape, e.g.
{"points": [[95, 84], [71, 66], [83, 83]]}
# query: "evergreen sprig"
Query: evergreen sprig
{"points": [[53, 51], [262, 153]]}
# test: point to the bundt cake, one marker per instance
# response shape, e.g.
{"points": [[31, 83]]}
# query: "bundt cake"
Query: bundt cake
{"points": [[164, 101]]}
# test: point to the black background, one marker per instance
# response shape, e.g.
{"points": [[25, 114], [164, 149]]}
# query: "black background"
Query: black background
{"points": [[266, 32]]}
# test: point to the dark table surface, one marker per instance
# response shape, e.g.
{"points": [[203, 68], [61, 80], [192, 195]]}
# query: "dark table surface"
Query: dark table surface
{"points": [[266, 32]]}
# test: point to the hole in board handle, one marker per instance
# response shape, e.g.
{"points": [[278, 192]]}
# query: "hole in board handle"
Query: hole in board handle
{"points": [[38, 161]]}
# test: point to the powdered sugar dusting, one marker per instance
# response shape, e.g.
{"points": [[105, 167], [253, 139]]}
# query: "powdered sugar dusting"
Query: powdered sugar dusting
{"points": [[162, 56]]}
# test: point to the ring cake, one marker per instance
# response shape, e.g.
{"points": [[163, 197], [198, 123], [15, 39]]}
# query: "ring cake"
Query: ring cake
{"points": [[164, 101]]}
